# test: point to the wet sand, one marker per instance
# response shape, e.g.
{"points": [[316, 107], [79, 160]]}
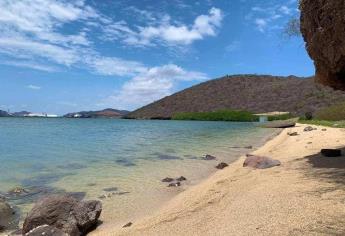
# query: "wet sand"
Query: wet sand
{"points": [[305, 195]]}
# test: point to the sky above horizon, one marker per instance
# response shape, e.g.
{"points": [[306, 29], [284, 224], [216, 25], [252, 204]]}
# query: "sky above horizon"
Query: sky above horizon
{"points": [[59, 56]]}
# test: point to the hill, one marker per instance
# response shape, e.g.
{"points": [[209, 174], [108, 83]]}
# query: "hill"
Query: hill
{"points": [[4, 113], [255, 93], [109, 113]]}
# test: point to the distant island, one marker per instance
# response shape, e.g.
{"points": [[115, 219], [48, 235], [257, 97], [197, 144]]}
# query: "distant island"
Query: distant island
{"points": [[252, 93], [106, 113]]}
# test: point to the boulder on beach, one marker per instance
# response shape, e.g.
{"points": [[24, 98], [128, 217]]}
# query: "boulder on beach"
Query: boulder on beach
{"points": [[308, 129], [260, 162], [167, 180], [177, 184], [46, 230], [182, 178], [66, 213], [7, 216], [221, 166], [208, 157]]}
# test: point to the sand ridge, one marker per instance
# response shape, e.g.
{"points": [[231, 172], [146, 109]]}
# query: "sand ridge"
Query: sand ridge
{"points": [[305, 195]]}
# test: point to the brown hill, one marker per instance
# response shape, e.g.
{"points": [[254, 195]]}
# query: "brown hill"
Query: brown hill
{"points": [[109, 113], [255, 93]]}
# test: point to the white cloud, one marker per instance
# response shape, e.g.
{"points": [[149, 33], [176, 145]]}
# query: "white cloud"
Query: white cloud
{"points": [[233, 46], [33, 87], [114, 66], [271, 16], [261, 24], [151, 85], [33, 36], [285, 10], [25, 48], [204, 25]]}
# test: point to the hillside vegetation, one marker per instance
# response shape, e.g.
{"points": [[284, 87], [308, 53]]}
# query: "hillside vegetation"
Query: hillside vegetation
{"points": [[253, 93], [223, 115]]}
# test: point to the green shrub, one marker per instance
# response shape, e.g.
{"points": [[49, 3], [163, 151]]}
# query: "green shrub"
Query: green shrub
{"points": [[331, 113], [221, 115]]}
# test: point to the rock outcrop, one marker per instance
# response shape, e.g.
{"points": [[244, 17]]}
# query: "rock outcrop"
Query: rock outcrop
{"points": [[46, 230], [322, 27], [66, 213], [7, 216]]}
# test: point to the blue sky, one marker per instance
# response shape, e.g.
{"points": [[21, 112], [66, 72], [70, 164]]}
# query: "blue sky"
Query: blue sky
{"points": [[59, 56]]}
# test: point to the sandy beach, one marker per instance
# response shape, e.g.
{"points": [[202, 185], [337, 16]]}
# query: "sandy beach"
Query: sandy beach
{"points": [[305, 195]]}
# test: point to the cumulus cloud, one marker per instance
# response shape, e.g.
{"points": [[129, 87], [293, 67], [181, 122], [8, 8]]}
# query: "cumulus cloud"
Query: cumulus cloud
{"points": [[166, 32], [150, 85], [33, 35]]}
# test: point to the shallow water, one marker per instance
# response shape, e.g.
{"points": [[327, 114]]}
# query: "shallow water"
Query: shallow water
{"points": [[123, 160]]}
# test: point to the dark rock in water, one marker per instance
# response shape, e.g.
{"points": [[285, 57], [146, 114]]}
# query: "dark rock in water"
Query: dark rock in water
{"points": [[125, 162], [292, 134], [167, 180], [7, 216], [324, 130], [44, 179], [65, 213], [246, 147], [182, 178], [221, 166], [177, 184], [18, 191], [127, 225], [331, 152], [91, 184], [77, 195], [46, 230], [111, 189], [260, 162], [168, 157], [208, 157], [122, 193], [309, 128], [72, 166]]}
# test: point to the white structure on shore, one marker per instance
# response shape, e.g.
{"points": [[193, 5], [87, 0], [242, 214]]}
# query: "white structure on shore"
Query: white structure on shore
{"points": [[41, 115]]}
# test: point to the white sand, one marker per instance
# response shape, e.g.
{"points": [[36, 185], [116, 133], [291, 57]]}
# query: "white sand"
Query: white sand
{"points": [[303, 196]]}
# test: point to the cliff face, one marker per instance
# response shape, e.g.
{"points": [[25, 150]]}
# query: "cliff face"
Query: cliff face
{"points": [[323, 29], [255, 93]]}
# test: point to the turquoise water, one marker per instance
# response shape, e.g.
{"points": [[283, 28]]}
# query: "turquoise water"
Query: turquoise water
{"points": [[89, 155]]}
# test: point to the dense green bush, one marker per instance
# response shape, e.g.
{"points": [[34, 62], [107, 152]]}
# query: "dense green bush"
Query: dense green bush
{"points": [[221, 115], [331, 113]]}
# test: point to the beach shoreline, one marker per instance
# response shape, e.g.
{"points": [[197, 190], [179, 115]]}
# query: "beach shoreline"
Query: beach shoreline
{"points": [[300, 196]]}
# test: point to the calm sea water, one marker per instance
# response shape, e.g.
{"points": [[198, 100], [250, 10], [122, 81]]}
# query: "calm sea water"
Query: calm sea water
{"points": [[129, 156]]}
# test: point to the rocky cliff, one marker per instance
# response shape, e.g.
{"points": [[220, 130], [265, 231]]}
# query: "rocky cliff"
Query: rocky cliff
{"points": [[256, 93], [322, 27]]}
